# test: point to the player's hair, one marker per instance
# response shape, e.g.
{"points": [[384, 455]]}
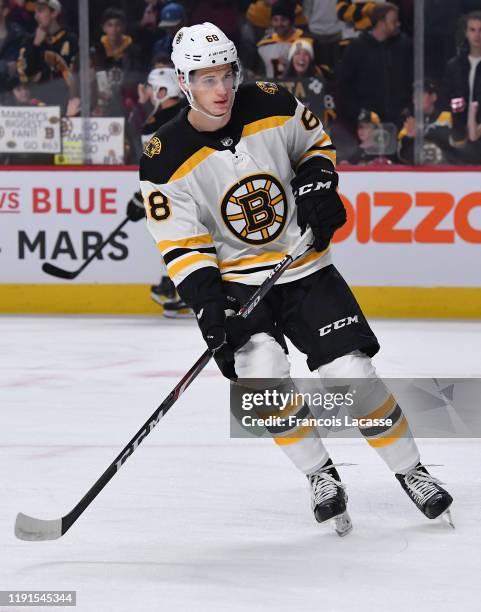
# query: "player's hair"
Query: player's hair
{"points": [[113, 13], [473, 16], [380, 11]]}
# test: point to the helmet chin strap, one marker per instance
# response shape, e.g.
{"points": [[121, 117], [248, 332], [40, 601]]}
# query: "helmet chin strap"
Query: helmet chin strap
{"points": [[199, 109], [195, 106]]}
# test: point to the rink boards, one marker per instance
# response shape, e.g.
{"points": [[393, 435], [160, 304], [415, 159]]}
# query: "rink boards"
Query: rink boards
{"points": [[410, 247]]}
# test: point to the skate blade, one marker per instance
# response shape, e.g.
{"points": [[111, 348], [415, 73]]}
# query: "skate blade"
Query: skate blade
{"points": [[447, 517], [342, 524]]}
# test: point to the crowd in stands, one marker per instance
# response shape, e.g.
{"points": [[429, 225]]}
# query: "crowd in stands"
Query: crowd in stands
{"points": [[350, 61]]}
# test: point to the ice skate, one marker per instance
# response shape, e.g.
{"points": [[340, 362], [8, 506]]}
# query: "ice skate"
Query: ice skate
{"points": [[426, 492], [177, 309], [164, 291], [166, 296], [329, 498]]}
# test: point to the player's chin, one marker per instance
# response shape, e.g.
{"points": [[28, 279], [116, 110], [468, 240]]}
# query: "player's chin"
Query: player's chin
{"points": [[221, 108]]}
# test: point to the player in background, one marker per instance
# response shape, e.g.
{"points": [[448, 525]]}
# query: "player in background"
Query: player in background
{"points": [[163, 92], [228, 185]]}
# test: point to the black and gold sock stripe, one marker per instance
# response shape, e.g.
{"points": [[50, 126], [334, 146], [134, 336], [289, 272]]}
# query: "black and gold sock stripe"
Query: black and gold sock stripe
{"points": [[383, 435], [284, 433]]}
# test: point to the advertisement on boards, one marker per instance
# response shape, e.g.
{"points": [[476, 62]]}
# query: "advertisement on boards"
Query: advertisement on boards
{"points": [[419, 229]]}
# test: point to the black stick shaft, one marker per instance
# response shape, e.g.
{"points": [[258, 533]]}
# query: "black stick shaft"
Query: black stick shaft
{"points": [[104, 243], [69, 519]]}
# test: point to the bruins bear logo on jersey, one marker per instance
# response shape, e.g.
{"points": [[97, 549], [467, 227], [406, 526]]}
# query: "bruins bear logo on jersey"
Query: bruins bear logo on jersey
{"points": [[266, 87], [153, 147], [255, 209]]}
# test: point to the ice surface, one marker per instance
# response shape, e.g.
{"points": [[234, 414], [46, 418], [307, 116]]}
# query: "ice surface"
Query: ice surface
{"points": [[195, 521]]}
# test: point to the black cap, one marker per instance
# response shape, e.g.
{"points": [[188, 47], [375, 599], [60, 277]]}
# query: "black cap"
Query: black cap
{"points": [[286, 8], [367, 116]]}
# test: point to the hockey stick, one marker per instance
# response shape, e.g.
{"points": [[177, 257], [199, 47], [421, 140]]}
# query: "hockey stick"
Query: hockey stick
{"points": [[49, 268], [33, 529]]}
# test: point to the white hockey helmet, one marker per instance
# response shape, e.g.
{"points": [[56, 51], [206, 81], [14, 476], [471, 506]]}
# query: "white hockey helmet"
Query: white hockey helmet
{"points": [[165, 78], [203, 46]]}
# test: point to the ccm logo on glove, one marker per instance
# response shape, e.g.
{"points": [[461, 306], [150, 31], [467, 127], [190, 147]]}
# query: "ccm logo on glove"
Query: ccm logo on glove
{"points": [[319, 186]]}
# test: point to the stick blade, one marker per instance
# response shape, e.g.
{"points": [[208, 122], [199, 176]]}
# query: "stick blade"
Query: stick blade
{"points": [[37, 530], [49, 268]]}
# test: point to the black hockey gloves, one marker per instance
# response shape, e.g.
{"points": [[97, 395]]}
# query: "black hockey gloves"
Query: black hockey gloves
{"points": [[318, 203], [223, 334], [135, 207]]}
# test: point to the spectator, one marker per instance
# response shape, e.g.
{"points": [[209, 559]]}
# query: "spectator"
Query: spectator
{"points": [[366, 149], [463, 79], [11, 41], [117, 66], [274, 48], [437, 129], [146, 32], [20, 95], [366, 130], [46, 59], [314, 93], [137, 8], [301, 60], [326, 29], [357, 15], [259, 15], [258, 20], [377, 69], [172, 18]]}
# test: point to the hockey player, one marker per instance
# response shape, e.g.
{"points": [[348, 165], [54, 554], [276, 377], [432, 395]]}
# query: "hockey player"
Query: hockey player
{"points": [[163, 92], [227, 185]]}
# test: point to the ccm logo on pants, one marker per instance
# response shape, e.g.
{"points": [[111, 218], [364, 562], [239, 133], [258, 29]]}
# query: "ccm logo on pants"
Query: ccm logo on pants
{"points": [[327, 329]]}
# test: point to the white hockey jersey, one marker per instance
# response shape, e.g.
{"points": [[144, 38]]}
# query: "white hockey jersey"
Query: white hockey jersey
{"points": [[223, 199]]}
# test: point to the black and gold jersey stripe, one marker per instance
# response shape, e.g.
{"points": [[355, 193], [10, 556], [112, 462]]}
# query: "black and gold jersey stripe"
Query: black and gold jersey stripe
{"points": [[182, 147]]}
